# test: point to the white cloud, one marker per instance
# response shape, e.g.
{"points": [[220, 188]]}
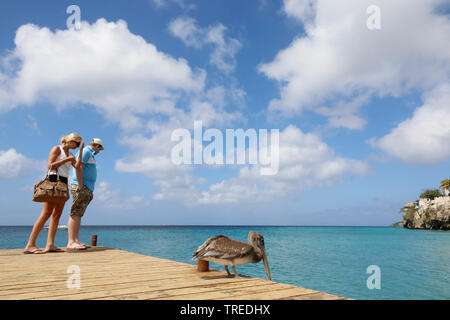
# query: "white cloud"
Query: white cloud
{"points": [[114, 199], [303, 10], [96, 66], [186, 29], [345, 114], [181, 3], [14, 164], [425, 137], [305, 162], [225, 48], [151, 155], [339, 60]]}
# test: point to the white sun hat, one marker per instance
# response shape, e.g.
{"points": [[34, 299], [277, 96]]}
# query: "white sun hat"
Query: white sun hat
{"points": [[98, 141]]}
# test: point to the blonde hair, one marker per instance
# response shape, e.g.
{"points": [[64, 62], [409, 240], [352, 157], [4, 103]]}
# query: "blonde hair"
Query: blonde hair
{"points": [[71, 137]]}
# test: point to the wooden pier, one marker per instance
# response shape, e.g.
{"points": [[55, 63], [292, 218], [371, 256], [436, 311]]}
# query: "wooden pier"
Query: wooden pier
{"points": [[102, 273]]}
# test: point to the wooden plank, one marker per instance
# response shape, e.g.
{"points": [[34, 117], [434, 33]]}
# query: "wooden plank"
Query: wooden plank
{"points": [[315, 296], [63, 276], [178, 278], [151, 289], [193, 292], [108, 273], [92, 281], [273, 294], [89, 273], [222, 294], [178, 273], [118, 266], [120, 269], [166, 288]]}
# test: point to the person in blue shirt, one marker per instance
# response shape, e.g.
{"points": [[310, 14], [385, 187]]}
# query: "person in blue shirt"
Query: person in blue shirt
{"points": [[82, 188]]}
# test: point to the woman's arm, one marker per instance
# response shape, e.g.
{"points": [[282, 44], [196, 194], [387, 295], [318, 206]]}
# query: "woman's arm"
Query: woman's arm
{"points": [[78, 163], [54, 154]]}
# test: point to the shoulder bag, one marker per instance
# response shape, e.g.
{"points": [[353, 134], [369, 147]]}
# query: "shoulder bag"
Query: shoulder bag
{"points": [[47, 191]]}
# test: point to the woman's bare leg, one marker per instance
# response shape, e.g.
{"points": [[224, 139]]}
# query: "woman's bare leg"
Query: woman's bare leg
{"points": [[47, 209], [53, 227]]}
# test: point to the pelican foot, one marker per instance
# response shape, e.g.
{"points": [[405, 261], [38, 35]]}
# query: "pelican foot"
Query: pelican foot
{"points": [[229, 275], [236, 275]]}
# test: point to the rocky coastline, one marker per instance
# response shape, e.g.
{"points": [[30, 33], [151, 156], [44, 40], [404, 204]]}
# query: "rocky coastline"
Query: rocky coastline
{"points": [[427, 214]]}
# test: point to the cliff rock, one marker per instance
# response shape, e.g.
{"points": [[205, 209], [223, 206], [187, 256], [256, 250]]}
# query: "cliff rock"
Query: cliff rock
{"points": [[430, 214]]}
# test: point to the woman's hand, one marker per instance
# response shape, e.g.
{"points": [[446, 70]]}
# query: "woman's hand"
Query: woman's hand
{"points": [[71, 159]]}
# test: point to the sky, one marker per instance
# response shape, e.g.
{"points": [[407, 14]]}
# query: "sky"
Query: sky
{"points": [[357, 90]]}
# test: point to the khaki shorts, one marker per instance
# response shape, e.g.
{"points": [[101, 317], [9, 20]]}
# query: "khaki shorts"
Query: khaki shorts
{"points": [[81, 200]]}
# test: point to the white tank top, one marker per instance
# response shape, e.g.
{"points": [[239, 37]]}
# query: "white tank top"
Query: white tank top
{"points": [[64, 169]]}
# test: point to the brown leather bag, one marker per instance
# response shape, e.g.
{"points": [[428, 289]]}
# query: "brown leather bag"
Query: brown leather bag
{"points": [[47, 191]]}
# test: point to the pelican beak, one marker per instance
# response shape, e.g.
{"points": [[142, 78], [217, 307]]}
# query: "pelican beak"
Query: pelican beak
{"points": [[266, 263]]}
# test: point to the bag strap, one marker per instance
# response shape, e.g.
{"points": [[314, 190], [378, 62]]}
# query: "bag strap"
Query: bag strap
{"points": [[57, 173]]}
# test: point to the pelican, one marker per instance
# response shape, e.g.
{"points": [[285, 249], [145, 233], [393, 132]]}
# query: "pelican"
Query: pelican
{"points": [[228, 252]]}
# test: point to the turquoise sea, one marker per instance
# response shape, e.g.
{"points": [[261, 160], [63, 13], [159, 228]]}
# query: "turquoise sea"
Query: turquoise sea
{"points": [[413, 264]]}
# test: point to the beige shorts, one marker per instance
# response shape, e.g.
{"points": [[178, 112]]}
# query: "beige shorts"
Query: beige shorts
{"points": [[80, 200]]}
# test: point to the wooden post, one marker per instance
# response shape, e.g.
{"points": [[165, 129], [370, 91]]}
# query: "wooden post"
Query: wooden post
{"points": [[94, 240], [203, 266]]}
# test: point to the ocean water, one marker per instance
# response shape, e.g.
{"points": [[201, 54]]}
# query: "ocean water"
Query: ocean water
{"points": [[413, 264]]}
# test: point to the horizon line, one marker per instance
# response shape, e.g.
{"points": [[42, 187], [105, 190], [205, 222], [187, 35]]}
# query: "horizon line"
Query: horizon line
{"points": [[211, 225]]}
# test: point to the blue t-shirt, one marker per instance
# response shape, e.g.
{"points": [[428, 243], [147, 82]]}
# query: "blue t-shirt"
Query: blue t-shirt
{"points": [[89, 170]]}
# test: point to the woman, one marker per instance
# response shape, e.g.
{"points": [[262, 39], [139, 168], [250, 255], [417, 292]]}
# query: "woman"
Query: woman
{"points": [[59, 161]]}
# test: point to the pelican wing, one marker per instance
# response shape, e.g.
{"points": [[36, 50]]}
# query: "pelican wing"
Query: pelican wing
{"points": [[222, 247]]}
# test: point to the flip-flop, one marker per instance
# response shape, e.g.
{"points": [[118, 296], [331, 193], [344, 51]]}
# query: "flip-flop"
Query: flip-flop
{"points": [[85, 245], [55, 250], [35, 251], [78, 248]]}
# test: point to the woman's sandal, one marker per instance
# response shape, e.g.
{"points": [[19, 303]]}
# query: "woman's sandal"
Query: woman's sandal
{"points": [[35, 251], [55, 250]]}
